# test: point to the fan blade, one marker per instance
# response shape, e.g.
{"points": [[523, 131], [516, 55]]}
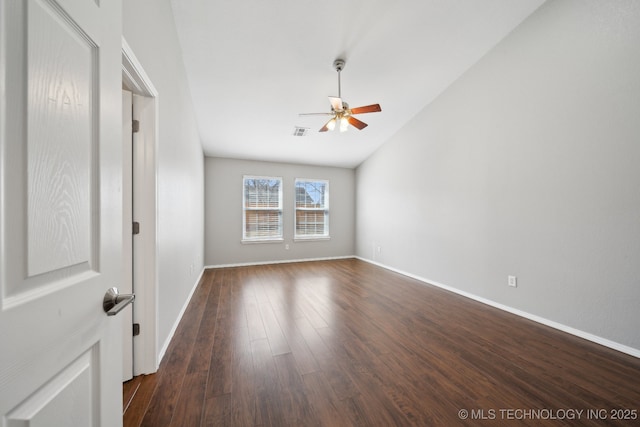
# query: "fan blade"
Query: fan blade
{"points": [[357, 123], [374, 108], [336, 103], [315, 114]]}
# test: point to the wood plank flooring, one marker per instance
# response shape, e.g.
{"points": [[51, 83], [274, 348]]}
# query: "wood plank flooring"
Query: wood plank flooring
{"points": [[346, 343]]}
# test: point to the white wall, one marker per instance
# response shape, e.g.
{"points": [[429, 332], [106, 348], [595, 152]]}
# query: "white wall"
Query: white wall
{"points": [[528, 165], [223, 213], [150, 31]]}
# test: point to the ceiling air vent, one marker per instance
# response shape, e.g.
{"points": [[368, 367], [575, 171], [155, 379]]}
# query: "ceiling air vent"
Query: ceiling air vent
{"points": [[298, 131]]}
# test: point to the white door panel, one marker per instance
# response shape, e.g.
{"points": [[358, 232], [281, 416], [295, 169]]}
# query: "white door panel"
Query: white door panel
{"points": [[68, 396], [61, 212]]}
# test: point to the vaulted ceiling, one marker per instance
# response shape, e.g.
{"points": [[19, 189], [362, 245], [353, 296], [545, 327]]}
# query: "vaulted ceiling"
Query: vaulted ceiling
{"points": [[253, 65]]}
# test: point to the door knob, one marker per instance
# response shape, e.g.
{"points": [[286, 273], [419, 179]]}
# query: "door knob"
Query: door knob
{"points": [[114, 302]]}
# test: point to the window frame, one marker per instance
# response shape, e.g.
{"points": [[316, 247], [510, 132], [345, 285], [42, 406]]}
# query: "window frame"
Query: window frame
{"points": [[325, 209], [280, 209]]}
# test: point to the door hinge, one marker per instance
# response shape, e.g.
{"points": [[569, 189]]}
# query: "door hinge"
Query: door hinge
{"points": [[136, 329], [136, 227], [135, 126]]}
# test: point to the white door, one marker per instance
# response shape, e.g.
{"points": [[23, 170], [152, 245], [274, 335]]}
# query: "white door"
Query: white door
{"points": [[60, 212]]}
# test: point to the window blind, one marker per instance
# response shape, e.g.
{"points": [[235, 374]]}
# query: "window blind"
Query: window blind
{"points": [[262, 208], [312, 208]]}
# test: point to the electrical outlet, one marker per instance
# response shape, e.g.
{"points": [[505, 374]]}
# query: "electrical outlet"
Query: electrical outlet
{"points": [[512, 281], [286, 247]]}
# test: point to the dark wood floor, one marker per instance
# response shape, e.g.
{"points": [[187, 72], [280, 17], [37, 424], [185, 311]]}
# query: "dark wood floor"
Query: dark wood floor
{"points": [[345, 343]]}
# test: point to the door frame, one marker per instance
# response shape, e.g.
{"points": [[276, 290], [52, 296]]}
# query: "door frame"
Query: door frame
{"points": [[126, 286], [145, 109]]}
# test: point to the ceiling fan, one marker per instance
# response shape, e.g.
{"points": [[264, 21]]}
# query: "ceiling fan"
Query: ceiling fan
{"points": [[340, 110]]}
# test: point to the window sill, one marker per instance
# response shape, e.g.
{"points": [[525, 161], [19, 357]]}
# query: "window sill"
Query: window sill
{"points": [[311, 238], [250, 242]]}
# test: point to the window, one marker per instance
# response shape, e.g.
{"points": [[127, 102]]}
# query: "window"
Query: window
{"points": [[312, 208], [262, 208]]}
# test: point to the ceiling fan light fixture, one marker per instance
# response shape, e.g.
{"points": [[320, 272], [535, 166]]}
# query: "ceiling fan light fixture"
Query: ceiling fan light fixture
{"points": [[344, 124], [332, 124]]}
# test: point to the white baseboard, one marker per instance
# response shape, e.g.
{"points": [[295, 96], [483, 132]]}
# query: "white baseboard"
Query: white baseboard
{"points": [[167, 341], [284, 261], [564, 328]]}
